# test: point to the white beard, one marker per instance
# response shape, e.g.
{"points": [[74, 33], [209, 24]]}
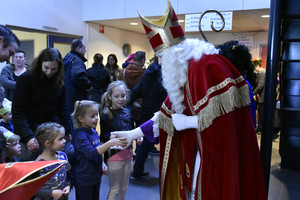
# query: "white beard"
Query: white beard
{"points": [[175, 64]]}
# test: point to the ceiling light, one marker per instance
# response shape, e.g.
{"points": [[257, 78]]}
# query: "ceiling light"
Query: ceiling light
{"points": [[181, 20], [134, 23], [265, 16]]}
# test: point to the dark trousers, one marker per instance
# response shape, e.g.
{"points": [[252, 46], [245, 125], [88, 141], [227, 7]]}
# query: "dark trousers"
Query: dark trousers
{"points": [[87, 192], [260, 110], [141, 157]]}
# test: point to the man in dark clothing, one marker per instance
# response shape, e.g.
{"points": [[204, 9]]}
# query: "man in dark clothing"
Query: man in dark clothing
{"points": [[152, 93], [99, 77], [260, 91], [76, 81]]}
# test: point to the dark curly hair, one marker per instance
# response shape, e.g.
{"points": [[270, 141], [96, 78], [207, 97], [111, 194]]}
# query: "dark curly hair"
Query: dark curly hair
{"points": [[239, 55]]}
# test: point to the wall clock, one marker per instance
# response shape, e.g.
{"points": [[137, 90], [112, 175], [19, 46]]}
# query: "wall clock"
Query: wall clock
{"points": [[126, 49]]}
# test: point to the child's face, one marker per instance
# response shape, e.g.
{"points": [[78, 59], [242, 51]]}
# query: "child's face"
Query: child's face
{"points": [[59, 141], [14, 148], [90, 119], [118, 97], [7, 117]]}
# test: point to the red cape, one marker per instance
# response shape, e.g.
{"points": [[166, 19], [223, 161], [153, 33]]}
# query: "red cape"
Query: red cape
{"points": [[230, 166], [21, 180]]}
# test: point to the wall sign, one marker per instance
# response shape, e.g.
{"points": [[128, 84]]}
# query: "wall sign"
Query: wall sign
{"points": [[192, 21]]}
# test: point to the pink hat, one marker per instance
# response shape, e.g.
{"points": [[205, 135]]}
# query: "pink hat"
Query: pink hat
{"points": [[130, 57]]}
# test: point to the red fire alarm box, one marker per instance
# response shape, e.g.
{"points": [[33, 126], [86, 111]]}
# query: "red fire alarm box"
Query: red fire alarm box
{"points": [[101, 29]]}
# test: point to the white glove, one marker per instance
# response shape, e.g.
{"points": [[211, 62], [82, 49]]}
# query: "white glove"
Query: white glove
{"points": [[129, 135], [117, 147], [182, 122]]}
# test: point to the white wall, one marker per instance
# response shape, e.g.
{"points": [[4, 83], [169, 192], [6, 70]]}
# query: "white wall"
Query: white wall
{"points": [[259, 38], [112, 41], [66, 16], [116, 9]]}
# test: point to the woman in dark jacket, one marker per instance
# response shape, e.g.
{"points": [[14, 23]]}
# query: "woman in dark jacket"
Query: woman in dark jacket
{"points": [[99, 77], [40, 97]]}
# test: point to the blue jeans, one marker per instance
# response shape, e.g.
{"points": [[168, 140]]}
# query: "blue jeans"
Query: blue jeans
{"points": [[141, 157]]}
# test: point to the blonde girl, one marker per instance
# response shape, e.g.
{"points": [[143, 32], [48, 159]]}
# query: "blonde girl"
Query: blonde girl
{"points": [[89, 150], [50, 137], [116, 117]]}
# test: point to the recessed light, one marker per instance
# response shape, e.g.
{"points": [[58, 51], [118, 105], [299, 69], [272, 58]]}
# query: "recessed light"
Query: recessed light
{"points": [[134, 23], [265, 16], [181, 20]]}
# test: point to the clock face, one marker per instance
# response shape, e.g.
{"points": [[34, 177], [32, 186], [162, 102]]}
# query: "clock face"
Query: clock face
{"points": [[126, 49]]}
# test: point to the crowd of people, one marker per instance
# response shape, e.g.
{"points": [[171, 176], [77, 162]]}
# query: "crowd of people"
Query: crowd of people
{"points": [[195, 105]]}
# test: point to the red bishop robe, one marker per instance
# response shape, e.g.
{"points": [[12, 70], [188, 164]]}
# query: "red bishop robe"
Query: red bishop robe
{"points": [[230, 167]]}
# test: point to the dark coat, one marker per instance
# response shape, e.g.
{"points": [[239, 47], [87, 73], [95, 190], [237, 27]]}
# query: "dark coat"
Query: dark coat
{"points": [[76, 80], [100, 79], [8, 81], [36, 102], [151, 91], [122, 121], [88, 164]]}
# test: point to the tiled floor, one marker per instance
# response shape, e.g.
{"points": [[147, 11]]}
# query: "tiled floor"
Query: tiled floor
{"points": [[284, 184]]}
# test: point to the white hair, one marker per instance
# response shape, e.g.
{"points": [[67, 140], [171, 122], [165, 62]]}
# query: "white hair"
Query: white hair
{"points": [[175, 64]]}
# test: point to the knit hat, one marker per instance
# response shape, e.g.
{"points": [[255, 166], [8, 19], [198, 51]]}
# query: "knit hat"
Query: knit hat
{"points": [[8, 135]]}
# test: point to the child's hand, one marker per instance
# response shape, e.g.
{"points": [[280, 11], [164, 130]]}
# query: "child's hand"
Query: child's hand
{"points": [[118, 142], [32, 145], [57, 194], [139, 141], [66, 190], [104, 168]]}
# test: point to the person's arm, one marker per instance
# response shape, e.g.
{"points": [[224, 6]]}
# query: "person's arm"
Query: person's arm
{"points": [[44, 193], [117, 142], [5, 81], [260, 83], [83, 145], [80, 77], [20, 106], [62, 112], [144, 130]]}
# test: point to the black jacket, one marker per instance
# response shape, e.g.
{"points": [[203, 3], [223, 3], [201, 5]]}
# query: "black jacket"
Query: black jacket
{"points": [[76, 80], [99, 78], [36, 102], [151, 91]]}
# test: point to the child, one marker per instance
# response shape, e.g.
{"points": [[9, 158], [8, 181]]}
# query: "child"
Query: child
{"points": [[88, 149], [5, 113], [50, 137], [13, 147], [115, 117]]}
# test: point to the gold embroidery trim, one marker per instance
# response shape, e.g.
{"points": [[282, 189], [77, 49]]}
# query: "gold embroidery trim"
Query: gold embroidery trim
{"points": [[165, 163], [165, 123], [223, 103], [187, 170], [165, 108], [216, 88]]}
